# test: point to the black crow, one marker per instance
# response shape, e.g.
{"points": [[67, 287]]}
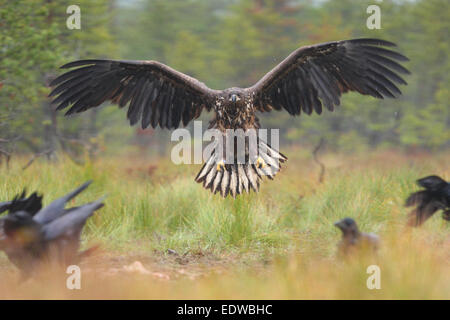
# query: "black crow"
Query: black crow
{"points": [[31, 235], [353, 239], [434, 197]]}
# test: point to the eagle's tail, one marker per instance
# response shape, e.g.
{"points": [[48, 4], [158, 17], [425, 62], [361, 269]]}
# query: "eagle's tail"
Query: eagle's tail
{"points": [[235, 178]]}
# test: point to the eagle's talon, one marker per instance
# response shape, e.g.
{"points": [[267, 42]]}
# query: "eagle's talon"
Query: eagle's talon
{"points": [[220, 165], [260, 163]]}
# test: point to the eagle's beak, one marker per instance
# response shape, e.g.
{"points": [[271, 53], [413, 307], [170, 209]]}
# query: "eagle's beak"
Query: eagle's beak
{"points": [[233, 98]]}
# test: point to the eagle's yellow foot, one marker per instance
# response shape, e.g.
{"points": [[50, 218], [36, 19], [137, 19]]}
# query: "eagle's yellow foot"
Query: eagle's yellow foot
{"points": [[260, 163], [220, 165]]}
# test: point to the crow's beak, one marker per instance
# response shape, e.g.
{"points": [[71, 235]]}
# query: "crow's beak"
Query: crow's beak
{"points": [[339, 225], [4, 206]]}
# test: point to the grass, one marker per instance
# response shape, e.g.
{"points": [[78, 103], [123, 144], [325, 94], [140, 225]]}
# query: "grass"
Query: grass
{"points": [[278, 244]]}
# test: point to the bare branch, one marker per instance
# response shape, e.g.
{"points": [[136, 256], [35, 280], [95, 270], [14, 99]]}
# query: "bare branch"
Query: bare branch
{"points": [[37, 155], [10, 140], [316, 159], [7, 156]]}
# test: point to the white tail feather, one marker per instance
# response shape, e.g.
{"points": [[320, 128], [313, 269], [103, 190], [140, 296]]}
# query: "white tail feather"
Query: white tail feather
{"points": [[234, 178]]}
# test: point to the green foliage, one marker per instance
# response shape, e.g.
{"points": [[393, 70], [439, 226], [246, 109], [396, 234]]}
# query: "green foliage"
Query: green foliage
{"points": [[225, 43], [168, 210], [34, 42], [244, 39]]}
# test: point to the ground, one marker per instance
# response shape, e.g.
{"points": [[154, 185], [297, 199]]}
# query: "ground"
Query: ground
{"points": [[162, 236]]}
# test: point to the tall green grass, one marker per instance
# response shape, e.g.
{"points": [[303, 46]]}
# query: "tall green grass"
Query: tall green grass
{"points": [[288, 225]]}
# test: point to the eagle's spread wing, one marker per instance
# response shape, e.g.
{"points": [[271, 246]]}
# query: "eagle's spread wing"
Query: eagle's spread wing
{"points": [[158, 94], [317, 75]]}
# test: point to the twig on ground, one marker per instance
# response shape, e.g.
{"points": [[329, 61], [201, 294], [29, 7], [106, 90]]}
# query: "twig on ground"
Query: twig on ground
{"points": [[316, 159], [7, 156], [37, 155]]}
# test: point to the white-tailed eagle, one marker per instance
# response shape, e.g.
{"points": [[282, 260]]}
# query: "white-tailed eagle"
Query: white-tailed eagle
{"points": [[310, 78]]}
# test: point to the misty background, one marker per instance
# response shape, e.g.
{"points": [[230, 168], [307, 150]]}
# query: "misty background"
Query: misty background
{"points": [[222, 43]]}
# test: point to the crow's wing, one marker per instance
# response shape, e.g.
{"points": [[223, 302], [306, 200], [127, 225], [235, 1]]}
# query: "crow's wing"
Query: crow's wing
{"points": [[427, 204], [30, 205], [71, 223], [317, 75], [5, 206], [158, 94], [55, 209], [372, 238], [422, 213], [419, 197]]}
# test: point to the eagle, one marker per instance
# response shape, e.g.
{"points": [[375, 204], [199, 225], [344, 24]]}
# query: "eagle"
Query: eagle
{"points": [[309, 79]]}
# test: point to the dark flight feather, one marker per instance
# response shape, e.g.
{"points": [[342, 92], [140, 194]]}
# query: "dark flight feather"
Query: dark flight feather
{"points": [[97, 81], [323, 72]]}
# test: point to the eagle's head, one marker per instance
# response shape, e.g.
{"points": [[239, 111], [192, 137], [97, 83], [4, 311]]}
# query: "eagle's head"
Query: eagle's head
{"points": [[234, 98], [233, 95], [231, 106]]}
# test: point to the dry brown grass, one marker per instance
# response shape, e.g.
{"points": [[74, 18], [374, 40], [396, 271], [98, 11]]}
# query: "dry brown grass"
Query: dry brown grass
{"points": [[279, 244]]}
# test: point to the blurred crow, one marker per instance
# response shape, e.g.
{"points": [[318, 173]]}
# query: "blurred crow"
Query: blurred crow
{"points": [[435, 196], [31, 235], [4, 206], [32, 204], [353, 239], [56, 208]]}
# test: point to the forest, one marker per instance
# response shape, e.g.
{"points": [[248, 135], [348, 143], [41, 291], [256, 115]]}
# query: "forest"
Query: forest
{"points": [[222, 43]]}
